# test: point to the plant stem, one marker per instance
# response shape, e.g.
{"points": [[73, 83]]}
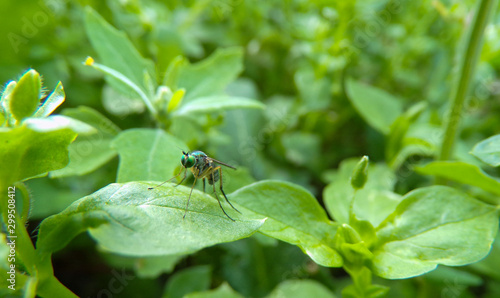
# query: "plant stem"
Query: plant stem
{"points": [[468, 63]]}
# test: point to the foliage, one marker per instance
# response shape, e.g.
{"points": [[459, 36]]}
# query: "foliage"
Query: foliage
{"points": [[291, 93]]}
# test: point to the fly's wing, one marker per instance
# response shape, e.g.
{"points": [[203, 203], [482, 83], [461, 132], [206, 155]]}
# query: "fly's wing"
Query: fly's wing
{"points": [[221, 163]]}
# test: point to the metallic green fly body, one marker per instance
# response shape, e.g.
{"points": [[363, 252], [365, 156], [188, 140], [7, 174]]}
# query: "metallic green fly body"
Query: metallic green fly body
{"points": [[202, 167]]}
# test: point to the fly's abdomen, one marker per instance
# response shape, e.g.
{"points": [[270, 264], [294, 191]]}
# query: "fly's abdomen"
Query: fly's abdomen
{"points": [[215, 178]]}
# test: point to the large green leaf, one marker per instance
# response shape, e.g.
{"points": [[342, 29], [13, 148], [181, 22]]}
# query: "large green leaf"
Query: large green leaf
{"points": [[376, 106], [489, 265], [209, 76], [27, 153], [129, 219], [293, 215], [217, 103], [301, 288], [117, 52], [147, 154], [25, 97], [431, 226], [462, 172], [488, 151], [89, 152]]}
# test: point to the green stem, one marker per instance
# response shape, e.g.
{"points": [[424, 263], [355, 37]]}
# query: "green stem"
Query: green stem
{"points": [[468, 63], [53, 288], [119, 76]]}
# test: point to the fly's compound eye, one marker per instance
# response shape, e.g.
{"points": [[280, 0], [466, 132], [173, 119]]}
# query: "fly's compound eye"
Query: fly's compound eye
{"points": [[188, 160]]}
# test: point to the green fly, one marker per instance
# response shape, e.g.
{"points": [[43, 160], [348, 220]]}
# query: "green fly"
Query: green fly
{"points": [[205, 168]]}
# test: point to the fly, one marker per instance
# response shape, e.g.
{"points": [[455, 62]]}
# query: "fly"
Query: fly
{"points": [[205, 168]]}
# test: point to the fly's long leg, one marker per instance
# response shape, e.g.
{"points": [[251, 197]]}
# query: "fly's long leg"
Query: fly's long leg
{"points": [[223, 193], [183, 178], [150, 188], [218, 200], [204, 184], [187, 205]]}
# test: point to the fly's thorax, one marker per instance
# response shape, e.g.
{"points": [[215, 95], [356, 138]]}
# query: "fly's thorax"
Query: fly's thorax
{"points": [[198, 155]]}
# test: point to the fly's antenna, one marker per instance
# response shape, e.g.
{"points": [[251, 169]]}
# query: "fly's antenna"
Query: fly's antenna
{"points": [[180, 149]]}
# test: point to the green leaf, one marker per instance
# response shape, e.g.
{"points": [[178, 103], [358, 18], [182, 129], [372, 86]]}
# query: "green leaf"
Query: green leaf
{"points": [[173, 70], [489, 265], [444, 274], [217, 103], [223, 291], [488, 151], [5, 101], [144, 267], [431, 226], [398, 133], [27, 153], [301, 288], [117, 52], [302, 148], [209, 76], [362, 285], [89, 152], [152, 267], [131, 220], [48, 197], [25, 97], [175, 100], [314, 91], [373, 203], [293, 215], [3, 117], [376, 106], [236, 179], [58, 122], [189, 280], [53, 101], [147, 154], [352, 248], [462, 172]]}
